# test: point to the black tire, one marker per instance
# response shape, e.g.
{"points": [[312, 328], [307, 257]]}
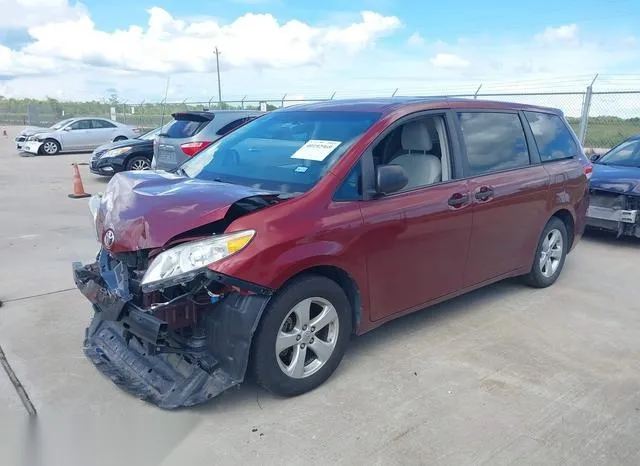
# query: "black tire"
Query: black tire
{"points": [[264, 361], [120, 138], [134, 162], [50, 143], [537, 277]]}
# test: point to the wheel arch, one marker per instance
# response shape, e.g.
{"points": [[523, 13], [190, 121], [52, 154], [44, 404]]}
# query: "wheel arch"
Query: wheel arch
{"points": [[344, 280], [566, 217], [54, 139], [133, 154]]}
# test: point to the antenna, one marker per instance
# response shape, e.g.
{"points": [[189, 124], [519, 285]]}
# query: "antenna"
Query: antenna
{"points": [[217, 52], [164, 102]]}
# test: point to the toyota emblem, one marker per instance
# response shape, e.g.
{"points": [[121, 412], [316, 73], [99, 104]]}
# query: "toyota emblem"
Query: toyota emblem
{"points": [[108, 239]]}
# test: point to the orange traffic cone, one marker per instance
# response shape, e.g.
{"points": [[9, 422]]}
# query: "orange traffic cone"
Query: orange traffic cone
{"points": [[78, 189]]}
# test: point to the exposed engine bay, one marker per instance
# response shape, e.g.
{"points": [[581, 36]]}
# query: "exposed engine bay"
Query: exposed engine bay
{"points": [[614, 212], [174, 347]]}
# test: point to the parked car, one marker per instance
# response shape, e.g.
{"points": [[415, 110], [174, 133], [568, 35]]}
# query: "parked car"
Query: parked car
{"points": [[615, 190], [191, 132], [23, 135], [75, 135], [127, 154], [274, 245]]}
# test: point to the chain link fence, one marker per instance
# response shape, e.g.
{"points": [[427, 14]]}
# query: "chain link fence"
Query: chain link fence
{"points": [[601, 119]]}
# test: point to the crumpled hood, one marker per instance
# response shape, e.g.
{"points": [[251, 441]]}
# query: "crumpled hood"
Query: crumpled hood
{"points": [[31, 130], [147, 209], [623, 180]]}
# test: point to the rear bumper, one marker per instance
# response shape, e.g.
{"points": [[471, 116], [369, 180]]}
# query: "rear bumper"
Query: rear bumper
{"points": [[142, 355]]}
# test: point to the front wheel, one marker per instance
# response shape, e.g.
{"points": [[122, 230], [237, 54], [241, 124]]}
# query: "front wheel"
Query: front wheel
{"points": [[302, 336], [138, 163], [550, 255], [50, 147]]}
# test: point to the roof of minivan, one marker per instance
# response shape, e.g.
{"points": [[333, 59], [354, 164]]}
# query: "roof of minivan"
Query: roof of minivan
{"points": [[389, 104]]}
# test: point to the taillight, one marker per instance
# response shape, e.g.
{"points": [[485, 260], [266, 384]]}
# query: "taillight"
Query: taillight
{"points": [[137, 130], [588, 170], [192, 148]]}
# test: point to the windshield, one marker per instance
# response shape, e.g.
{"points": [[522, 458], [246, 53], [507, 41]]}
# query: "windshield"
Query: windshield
{"points": [[626, 154], [61, 123], [284, 151]]}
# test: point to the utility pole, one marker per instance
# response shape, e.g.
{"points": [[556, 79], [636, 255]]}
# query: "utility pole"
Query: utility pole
{"points": [[217, 52]]}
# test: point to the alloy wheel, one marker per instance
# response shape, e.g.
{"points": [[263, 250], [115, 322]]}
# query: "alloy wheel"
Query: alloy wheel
{"points": [[551, 253], [50, 147], [140, 164], [307, 337]]}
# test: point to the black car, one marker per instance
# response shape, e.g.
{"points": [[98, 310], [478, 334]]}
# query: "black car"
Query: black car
{"points": [[125, 155]]}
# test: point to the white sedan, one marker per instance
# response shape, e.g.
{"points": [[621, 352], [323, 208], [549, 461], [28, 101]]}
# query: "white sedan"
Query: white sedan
{"points": [[74, 135]]}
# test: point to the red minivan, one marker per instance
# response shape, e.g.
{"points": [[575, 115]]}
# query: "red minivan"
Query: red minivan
{"points": [[272, 247]]}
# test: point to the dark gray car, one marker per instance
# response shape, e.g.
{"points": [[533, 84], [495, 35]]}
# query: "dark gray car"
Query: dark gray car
{"points": [[191, 132]]}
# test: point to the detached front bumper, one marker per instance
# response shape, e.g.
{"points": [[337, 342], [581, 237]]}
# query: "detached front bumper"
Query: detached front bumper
{"points": [[140, 353], [608, 212]]}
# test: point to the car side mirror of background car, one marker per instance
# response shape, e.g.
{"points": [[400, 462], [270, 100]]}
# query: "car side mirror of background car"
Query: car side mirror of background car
{"points": [[68, 128], [390, 179]]}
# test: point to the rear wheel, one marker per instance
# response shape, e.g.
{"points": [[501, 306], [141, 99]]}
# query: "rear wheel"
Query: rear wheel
{"points": [[302, 336], [50, 147], [138, 162], [550, 255]]}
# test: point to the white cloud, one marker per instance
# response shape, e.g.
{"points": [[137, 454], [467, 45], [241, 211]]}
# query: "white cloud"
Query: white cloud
{"points": [[20, 14], [416, 40], [561, 33], [168, 44], [449, 61]]}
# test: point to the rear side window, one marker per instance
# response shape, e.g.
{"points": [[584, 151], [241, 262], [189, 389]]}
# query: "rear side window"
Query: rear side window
{"points": [[553, 139], [185, 128], [494, 141], [100, 124], [233, 125]]}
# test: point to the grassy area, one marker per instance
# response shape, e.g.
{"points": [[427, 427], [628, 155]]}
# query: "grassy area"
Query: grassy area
{"points": [[606, 132]]}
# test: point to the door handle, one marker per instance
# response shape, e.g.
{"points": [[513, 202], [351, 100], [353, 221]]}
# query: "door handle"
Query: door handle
{"points": [[484, 193], [458, 200]]}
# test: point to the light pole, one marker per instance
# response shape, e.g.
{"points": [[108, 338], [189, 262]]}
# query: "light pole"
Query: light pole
{"points": [[217, 52]]}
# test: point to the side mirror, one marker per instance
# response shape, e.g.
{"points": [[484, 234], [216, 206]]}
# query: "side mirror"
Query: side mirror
{"points": [[390, 179], [66, 128]]}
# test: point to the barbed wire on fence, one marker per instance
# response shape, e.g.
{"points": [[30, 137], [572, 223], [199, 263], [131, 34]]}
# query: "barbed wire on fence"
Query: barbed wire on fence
{"points": [[601, 119]]}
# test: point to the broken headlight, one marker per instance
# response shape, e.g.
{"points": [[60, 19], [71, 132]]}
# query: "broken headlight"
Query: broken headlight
{"points": [[94, 206], [182, 263]]}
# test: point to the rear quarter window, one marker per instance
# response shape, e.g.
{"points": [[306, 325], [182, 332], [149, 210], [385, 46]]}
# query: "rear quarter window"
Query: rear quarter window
{"points": [[185, 128], [553, 138]]}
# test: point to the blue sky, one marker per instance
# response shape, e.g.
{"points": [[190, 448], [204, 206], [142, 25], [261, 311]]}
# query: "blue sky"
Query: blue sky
{"points": [[445, 21], [70, 49]]}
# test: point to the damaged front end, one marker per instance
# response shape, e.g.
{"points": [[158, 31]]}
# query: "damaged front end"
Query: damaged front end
{"points": [[176, 345], [614, 212]]}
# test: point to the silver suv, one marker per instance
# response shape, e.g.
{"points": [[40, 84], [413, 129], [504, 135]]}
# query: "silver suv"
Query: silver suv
{"points": [[191, 132]]}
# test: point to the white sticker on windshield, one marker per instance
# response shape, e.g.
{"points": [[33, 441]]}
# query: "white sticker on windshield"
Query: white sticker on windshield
{"points": [[316, 149], [301, 169]]}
